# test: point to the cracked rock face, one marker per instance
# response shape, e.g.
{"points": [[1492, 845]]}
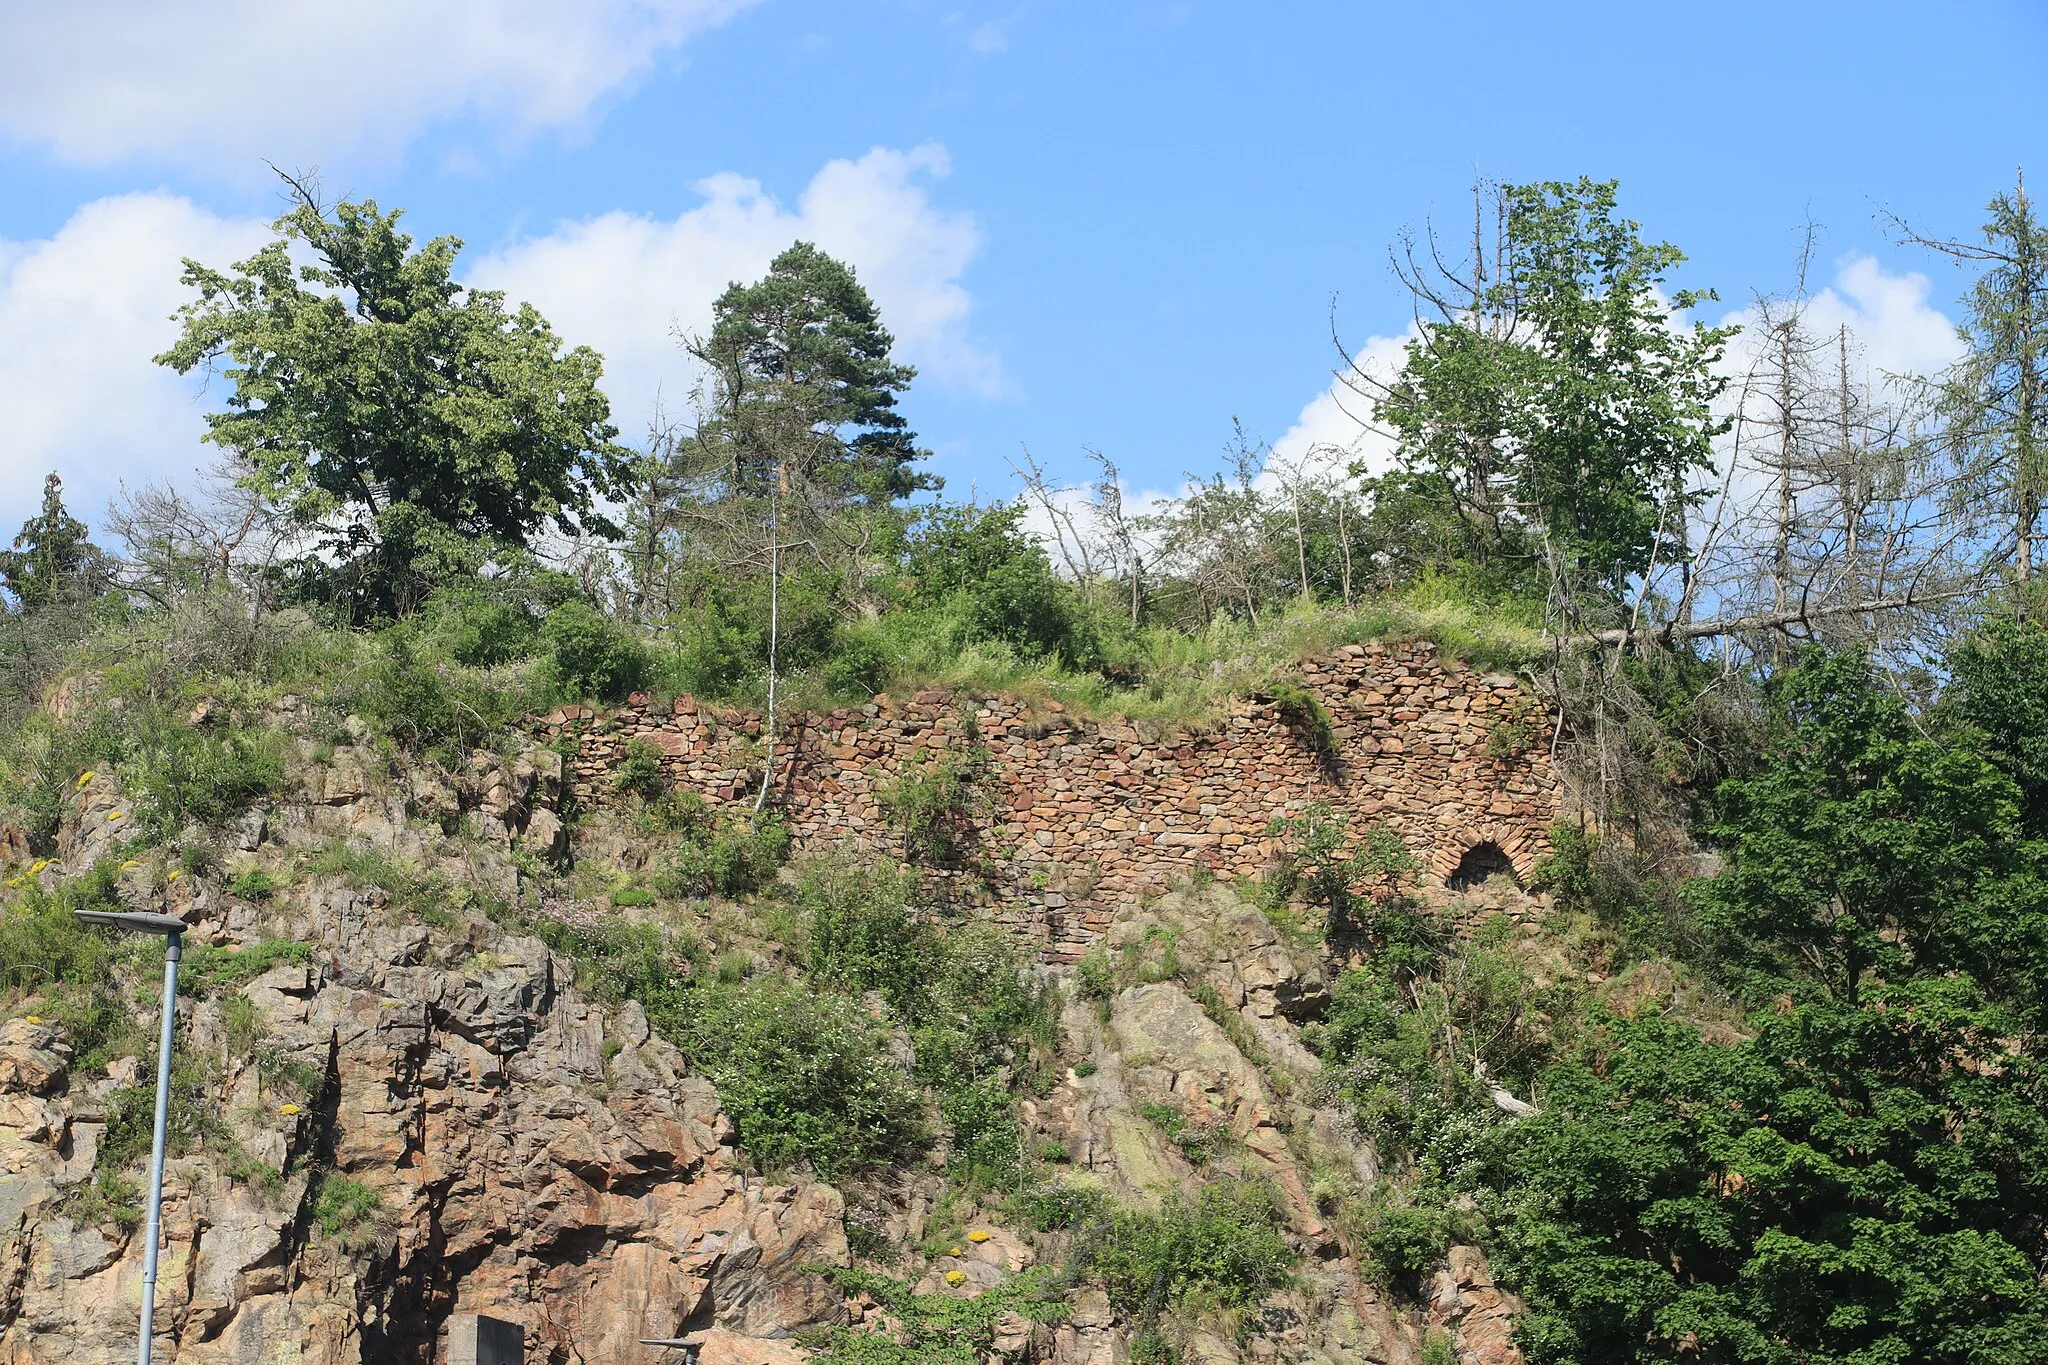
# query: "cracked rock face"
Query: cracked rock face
{"points": [[534, 1158]]}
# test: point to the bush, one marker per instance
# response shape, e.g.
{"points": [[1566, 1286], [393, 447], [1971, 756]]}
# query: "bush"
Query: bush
{"points": [[426, 706], [181, 774], [478, 627], [341, 1203], [590, 656], [713, 852], [641, 773], [1223, 1248], [806, 1076]]}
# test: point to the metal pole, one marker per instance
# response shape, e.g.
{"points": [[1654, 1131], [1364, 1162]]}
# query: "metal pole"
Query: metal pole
{"points": [[174, 946]]}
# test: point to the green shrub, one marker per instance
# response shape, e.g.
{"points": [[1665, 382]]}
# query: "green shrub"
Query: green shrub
{"points": [[589, 655], [931, 1329], [640, 773], [41, 760], [932, 810], [857, 668], [714, 852], [1404, 1239], [988, 1141], [1223, 1248], [1058, 1208], [627, 897], [427, 706], [341, 1203], [806, 1076], [478, 627], [253, 885], [182, 775]]}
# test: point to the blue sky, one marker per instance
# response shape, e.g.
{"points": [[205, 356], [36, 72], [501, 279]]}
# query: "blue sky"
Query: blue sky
{"points": [[1112, 225]]}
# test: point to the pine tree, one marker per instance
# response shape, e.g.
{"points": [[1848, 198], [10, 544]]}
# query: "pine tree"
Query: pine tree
{"points": [[51, 554]]}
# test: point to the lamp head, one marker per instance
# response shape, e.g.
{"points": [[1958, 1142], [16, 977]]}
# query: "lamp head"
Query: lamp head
{"points": [[132, 921]]}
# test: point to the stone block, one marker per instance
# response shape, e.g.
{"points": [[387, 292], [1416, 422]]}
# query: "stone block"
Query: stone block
{"points": [[475, 1339]]}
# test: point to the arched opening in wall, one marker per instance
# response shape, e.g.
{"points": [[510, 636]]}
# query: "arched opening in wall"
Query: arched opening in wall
{"points": [[1481, 861]]}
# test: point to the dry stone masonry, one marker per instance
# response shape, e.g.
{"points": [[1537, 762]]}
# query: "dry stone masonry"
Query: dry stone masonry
{"points": [[1068, 820]]}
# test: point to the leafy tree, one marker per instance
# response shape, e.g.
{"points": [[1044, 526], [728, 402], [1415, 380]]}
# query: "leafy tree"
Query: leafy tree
{"points": [[2000, 686], [1862, 1178], [804, 389], [50, 554], [982, 559], [411, 426], [1869, 849], [1564, 400]]}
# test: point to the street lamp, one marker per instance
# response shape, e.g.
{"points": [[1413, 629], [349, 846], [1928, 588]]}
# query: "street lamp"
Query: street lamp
{"points": [[173, 930]]}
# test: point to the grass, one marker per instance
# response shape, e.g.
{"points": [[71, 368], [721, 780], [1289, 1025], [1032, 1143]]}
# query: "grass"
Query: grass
{"points": [[1187, 680]]}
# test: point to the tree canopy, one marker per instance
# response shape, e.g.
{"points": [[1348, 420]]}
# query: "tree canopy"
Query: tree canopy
{"points": [[51, 554], [409, 425]]}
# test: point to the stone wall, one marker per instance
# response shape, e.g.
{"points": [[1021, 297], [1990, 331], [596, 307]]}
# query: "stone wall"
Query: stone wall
{"points": [[1068, 819]]}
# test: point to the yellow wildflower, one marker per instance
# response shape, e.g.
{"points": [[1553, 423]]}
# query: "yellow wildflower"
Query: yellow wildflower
{"points": [[288, 1110], [953, 1251], [174, 876], [130, 863], [37, 866], [114, 815], [34, 1018], [956, 1278], [84, 778], [978, 1236]]}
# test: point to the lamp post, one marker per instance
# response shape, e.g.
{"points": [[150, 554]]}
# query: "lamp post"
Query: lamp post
{"points": [[173, 930]]}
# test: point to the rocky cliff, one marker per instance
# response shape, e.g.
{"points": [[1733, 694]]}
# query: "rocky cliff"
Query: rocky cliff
{"points": [[412, 1110]]}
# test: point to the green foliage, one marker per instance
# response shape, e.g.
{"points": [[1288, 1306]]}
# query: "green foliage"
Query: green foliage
{"points": [[253, 885], [191, 1118], [1869, 849], [408, 423], [1565, 405], [589, 655], [933, 807], [1223, 1248], [1858, 1179], [1196, 1141], [432, 706], [980, 567], [1306, 714], [1403, 1239], [932, 1329], [106, 1198], [341, 1203], [640, 773], [1404, 1094], [1999, 684], [801, 354], [1060, 1207], [961, 991], [208, 970], [806, 1077], [711, 851], [51, 557]]}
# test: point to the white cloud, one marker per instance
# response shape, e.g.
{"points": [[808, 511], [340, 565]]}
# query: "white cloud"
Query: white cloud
{"points": [[81, 313], [1332, 428], [1891, 325], [213, 80], [624, 282]]}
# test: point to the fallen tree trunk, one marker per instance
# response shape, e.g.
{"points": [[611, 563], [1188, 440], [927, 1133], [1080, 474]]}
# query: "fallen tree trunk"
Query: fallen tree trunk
{"points": [[1673, 632]]}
